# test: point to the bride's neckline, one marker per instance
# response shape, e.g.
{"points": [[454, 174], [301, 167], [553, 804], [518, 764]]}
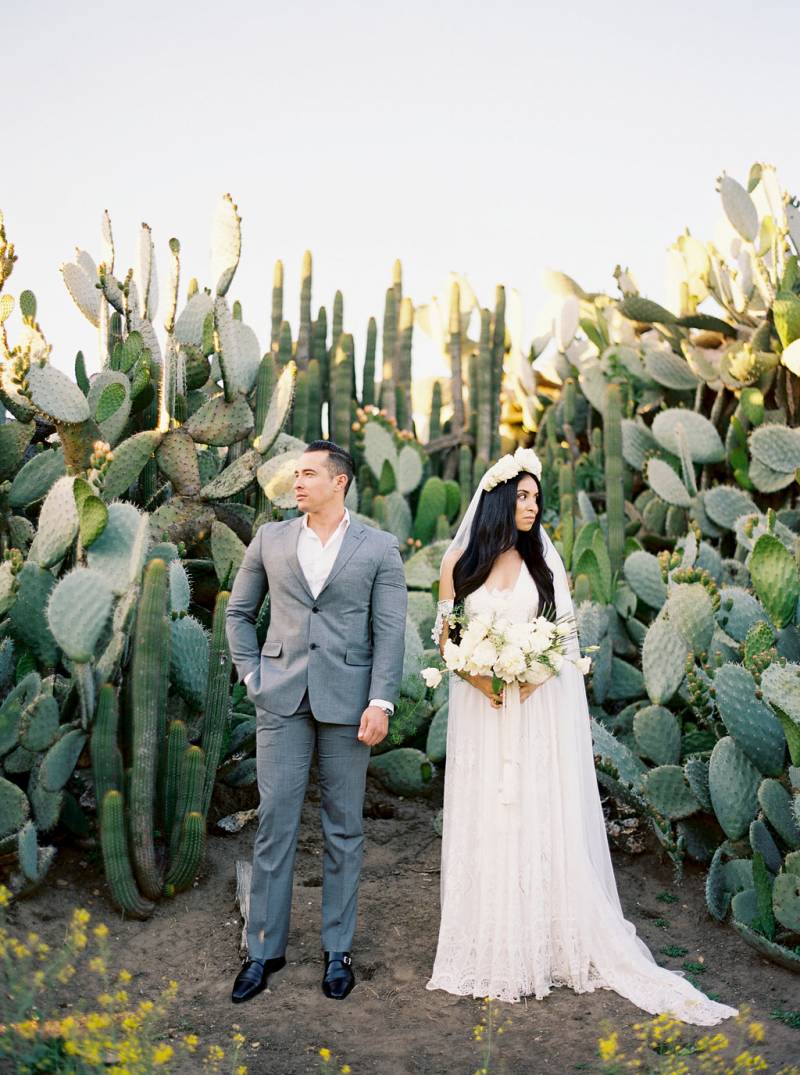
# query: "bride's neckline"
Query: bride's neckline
{"points": [[494, 590]]}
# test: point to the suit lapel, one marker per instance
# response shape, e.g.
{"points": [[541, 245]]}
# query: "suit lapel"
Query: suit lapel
{"points": [[291, 534], [353, 537]]}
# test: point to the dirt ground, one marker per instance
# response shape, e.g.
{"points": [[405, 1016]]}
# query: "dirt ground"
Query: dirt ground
{"points": [[390, 1024]]}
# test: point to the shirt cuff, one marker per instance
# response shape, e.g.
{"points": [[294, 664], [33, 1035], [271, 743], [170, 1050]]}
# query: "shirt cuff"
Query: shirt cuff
{"points": [[383, 703], [248, 676]]}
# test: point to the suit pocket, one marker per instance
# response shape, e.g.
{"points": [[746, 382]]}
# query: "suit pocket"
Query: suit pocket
{"points": [[271, 649], [358, 655]]}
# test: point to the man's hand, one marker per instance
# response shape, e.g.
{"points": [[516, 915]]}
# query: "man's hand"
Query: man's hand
{"points": [[374, 725]]}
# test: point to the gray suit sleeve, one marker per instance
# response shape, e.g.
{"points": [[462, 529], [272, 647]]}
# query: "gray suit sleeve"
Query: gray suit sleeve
{"points": [[248, 593], [388, 609]]}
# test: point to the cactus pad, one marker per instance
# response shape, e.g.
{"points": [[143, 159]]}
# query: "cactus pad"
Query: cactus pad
{"points": [[702, 438], [189, 660], [55, 396], [658, 735], [227, 552], [58, 523], [752, 723], [776, 802], [733, 783], [177, 460], [668, 792], [78, 611], [643, 574], [35, 479], [59, 762], [115, 553], [664, 656], [129, 461], [404, 771], [234, 478], [13, 807], [775, 578], [220, 422], [666, 484], [725, 503]]}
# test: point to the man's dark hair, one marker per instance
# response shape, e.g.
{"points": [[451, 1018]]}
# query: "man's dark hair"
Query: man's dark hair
{"points": [[339, 460]]}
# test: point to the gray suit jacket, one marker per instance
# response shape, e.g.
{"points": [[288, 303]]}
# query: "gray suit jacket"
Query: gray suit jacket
{"points": [[344, 647]]}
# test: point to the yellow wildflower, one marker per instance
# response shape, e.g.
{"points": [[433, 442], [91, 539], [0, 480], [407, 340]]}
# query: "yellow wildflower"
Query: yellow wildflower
{"points": [[215, 1053], [124, 976], [191, 1041], [79, 939], [238, 1039], [65, 973], [162, 1053], [608, 1046], [101, 931], [346, 1069], [326, 1055], [105, 1000], [5, 896], [80, 917], [97, 965], [756, 1031]]}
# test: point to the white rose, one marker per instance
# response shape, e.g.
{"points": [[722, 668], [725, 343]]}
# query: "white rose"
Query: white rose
{"points": [[556, 660], [537, 673], [518, 635], [432, 677], [583, 664], [453, 657], [502, 471], [510, 662], [538, 641], [483, 657], [468, 643], [527, 460]]}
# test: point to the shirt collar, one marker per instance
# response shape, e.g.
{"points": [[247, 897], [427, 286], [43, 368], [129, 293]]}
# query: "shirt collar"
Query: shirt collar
{"points": [[343, 525]]}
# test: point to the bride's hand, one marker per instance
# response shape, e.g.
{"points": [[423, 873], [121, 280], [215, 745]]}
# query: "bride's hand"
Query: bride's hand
{"points": [[526, 690], [484, 685]]}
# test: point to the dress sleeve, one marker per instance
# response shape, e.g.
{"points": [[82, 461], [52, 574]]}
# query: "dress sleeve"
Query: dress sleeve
{"points": [[443, 610]]}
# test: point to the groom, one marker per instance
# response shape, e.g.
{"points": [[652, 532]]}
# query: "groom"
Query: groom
{"points": [[325, 678]]}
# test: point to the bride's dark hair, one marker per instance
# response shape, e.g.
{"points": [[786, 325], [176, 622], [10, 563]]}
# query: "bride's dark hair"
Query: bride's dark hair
{"points": [[494, 531]]}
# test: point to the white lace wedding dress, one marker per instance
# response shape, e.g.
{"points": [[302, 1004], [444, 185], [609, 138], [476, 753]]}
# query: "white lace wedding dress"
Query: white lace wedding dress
{"points": [[528, 897]]}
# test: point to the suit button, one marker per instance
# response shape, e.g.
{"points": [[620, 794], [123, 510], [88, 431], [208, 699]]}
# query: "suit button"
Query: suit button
{"points": [[313, 645], [315, 609]]}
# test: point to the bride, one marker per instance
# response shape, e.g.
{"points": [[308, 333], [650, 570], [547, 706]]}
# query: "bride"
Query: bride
{"points": [[528, 897]]}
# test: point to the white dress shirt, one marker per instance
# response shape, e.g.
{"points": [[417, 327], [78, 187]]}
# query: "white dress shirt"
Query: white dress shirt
{"points": [[316, 562]]}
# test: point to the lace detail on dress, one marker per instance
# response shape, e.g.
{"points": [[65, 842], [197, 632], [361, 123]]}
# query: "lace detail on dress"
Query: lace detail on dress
{"points": [[528, 896], [443, 610]]}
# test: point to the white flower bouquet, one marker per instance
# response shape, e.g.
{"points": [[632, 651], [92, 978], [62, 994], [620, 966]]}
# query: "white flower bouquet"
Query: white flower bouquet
{"points": [[491, 645]]}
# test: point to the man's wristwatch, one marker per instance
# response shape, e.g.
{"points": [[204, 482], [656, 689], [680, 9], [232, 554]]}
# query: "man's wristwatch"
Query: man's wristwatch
{"points": [[385, 708]]}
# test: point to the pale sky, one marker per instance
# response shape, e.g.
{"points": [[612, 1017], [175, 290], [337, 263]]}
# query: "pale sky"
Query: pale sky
{"points": [[494, 139]]}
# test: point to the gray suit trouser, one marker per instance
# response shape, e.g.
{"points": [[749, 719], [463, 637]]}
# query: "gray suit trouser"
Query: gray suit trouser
{"points": [[284, 748]]}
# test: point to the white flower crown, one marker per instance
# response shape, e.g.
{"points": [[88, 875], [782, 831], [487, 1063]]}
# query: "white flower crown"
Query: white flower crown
{"points": [[510, 466]]}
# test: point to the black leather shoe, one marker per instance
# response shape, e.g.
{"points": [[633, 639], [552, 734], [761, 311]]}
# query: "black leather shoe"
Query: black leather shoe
{"points": [[252, 978], [339, 978]]}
